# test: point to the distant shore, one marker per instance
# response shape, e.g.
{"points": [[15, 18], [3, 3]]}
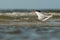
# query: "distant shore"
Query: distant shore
{"points": [[28, 10]]}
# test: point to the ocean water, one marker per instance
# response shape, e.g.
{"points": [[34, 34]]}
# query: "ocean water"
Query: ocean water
{"points": [[12, 32], [29, 33]]}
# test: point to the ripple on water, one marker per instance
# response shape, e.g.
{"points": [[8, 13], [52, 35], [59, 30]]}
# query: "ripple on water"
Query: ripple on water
{"points": [[29, 33]]}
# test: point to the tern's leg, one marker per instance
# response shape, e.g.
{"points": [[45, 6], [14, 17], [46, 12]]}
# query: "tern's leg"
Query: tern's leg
{"points": [[47, 18]]}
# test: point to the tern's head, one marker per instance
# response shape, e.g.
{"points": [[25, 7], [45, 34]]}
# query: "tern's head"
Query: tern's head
{"points": [[38, 10], [34, 11]]}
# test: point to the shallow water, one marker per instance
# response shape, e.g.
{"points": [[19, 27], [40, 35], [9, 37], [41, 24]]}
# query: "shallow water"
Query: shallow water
{"points": [[29, 33], [8, 32]]}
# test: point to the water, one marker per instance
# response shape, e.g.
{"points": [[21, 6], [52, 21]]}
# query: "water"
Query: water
{"points": [[29, 33], [8, 32]]}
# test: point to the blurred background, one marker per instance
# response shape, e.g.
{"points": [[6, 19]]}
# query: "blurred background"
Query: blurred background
{"points": [[17, 22]]}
